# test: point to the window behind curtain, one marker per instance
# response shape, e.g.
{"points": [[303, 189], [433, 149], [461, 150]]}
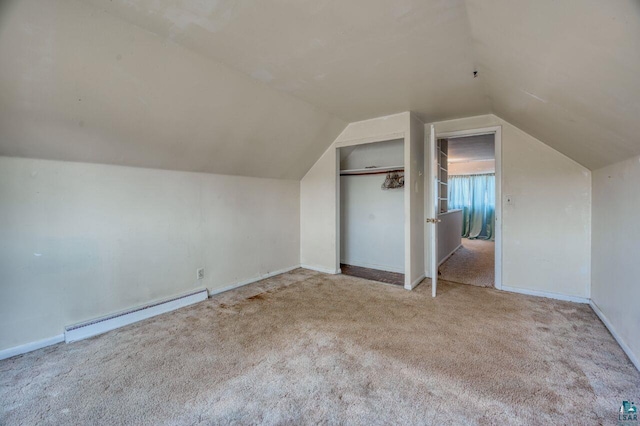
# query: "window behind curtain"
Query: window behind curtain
{"points": [[475, 195]]}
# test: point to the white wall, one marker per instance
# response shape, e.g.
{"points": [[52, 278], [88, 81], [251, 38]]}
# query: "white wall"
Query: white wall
{"points": [[615, 267], [449, 233], [81, 240], [319, 189], [319, 217], [372, 223], [547, 230]]}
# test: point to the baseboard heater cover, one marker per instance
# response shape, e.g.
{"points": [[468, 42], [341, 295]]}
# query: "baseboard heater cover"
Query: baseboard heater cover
{"points": [[101, 325]]}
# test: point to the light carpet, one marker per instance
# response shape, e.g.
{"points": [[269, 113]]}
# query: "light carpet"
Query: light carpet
{"points": [[309, 348], [473, 263]]}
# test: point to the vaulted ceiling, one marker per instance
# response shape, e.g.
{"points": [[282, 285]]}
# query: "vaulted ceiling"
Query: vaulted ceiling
{"points": [[262, 87]]}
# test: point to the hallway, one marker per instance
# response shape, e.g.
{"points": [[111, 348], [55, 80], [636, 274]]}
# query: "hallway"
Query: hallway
{"points": [[473, 264]]}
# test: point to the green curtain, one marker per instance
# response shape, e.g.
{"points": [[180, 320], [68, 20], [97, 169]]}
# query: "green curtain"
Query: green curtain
{"points": [[475, 195]]}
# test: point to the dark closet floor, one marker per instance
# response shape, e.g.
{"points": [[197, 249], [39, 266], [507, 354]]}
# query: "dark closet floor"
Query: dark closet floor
{"points": [[373, 274]]}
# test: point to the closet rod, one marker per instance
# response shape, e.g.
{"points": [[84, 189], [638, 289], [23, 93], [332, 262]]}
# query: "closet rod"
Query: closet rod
{"points": [[372, 171]]}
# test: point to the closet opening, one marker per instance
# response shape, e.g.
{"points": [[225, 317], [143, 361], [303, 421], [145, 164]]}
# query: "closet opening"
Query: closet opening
{"points": [[372, 209], [467, 231]]}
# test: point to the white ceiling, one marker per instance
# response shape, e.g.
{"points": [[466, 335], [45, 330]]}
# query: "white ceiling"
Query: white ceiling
{"points": [[471, 148], [565, 72], [355, 59], [79, 84], [262, 87]]}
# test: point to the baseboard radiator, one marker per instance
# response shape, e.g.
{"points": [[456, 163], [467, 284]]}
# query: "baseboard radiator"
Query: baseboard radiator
{"points": [[101, 325]]}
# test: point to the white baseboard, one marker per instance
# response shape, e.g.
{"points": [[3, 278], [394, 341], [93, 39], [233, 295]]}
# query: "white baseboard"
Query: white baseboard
{"points": [[32, 346], [321, 269], [252, 280], [546, 294], [101, 325], [415, 283], [450, 254], [373, 266], [29, 347], [632, 357]]}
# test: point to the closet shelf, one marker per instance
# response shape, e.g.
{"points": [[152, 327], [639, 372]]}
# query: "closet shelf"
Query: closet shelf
{"points": [[371, 171]]}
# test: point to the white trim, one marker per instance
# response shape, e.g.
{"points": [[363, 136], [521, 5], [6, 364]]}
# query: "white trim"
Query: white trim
{"points": [[450, 254], [627, 350], [497, 131], [322, 269], [469, 132], [252, 280], [32, 346], [371, 139], [415, 283], [29, 347], [338, 212], [497, 140], [373, 266], [547, 294], [101, 325], [432, 208]]}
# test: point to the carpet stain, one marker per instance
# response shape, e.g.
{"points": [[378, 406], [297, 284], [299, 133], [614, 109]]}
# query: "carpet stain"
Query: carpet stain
{"points": [[259, 296], [333, 349]]}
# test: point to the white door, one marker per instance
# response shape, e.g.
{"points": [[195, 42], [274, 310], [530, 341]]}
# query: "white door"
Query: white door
{"points": [[434, 208]]}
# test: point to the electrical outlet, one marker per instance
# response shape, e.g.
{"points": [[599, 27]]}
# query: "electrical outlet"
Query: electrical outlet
{"points": [[200, 273]]}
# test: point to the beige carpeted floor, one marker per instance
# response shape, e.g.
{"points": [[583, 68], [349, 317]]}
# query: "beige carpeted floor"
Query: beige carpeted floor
{"points": [[307, 348], [473, 263]]}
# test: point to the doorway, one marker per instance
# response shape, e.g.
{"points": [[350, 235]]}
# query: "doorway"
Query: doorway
{"points": [[470, 198], [466, 235], [372, 202]]}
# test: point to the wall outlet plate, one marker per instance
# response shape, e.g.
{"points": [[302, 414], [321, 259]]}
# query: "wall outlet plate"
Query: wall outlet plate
{"points": [[200, 273]]}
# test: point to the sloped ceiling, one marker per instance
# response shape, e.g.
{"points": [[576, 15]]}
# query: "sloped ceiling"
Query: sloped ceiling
{"points": [[262, 87], [356, 59], [79, 84], [566, 72]]}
